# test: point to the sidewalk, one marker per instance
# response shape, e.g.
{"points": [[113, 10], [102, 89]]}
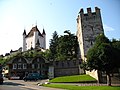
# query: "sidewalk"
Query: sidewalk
{"points": [[36, 87], [87, 84]]}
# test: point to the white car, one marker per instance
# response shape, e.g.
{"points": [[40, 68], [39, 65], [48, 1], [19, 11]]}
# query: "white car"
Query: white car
{"points": [[14, 77]]}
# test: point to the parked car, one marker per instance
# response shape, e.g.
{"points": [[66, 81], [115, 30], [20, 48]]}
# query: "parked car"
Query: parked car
{"points": [[32, 76], [14, 78], [1, 76], [1, 79]]}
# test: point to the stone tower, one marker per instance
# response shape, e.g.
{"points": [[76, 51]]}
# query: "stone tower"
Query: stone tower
{"points": [[89, 26]]}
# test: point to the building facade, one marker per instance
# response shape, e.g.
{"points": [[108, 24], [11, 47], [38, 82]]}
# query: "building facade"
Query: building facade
{"points": [[89, 26], [21, 66], [34, 37]]}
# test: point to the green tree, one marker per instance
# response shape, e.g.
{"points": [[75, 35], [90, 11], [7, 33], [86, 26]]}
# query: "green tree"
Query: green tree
{"points": [[46, 54], [53, 46], [67, 46], [116, 46], [102, 56]]}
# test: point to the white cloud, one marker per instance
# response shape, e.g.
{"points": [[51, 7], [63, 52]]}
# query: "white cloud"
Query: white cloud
{"points": [[108, 28]]}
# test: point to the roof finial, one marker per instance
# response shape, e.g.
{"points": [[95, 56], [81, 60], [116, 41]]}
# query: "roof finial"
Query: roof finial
{"points": [[36, 23]]}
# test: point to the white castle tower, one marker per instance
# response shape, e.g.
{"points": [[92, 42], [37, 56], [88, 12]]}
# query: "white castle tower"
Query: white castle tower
{"points": [[34, 37], [89, 26]]}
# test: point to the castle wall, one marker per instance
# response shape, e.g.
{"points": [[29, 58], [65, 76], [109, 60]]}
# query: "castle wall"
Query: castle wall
{"points": [[66, 67], [93, 73], [24, 43], [29, 43], [89, 26]]}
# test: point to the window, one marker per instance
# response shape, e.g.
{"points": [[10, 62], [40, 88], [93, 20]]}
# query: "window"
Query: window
{"points": [[19, 66], [24, 66], [33, 66], [91, 42], [37, 59], [38, 66], [14, 66]]}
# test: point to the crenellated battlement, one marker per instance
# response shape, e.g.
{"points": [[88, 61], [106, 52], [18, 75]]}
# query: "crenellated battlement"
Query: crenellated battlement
{"points": [[89, 11], [89, 16]]}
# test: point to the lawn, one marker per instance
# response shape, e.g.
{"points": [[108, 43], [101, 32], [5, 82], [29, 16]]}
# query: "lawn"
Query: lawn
{"points": [[73, 87], [75, 78]]}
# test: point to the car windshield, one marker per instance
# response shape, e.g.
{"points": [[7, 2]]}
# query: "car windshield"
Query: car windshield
{"points": [[34, 74]]}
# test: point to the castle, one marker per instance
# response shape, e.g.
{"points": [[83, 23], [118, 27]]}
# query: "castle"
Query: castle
{"points": [[34, 38], [89, 26]]}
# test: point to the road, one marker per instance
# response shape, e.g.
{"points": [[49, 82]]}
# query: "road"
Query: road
{"points": [[21, 85]]}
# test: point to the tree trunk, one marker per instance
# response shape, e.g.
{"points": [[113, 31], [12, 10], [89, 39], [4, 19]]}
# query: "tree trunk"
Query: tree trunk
{"points": [[99, 77], [108, 79]]}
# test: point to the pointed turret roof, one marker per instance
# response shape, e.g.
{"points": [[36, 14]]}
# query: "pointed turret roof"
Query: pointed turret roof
{"points": [[24, 33], [43, 33]]}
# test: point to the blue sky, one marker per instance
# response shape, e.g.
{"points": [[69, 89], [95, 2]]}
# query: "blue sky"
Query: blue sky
{"points": [[52, 15]]}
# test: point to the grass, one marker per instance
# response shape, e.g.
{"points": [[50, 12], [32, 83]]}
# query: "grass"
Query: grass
{"points": [[73, 79], [73, 87]]}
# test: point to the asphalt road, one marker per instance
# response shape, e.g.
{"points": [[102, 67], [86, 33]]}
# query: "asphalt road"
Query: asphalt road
{"points": [[10, 85], [21, 85]]}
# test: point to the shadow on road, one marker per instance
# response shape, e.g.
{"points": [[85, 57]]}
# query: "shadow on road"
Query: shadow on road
{"points": [[13, 84]]}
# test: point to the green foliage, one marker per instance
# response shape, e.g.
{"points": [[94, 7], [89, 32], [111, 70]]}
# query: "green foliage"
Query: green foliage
{"points": [[53, 46], [75, 87], [46, 54], [64, 47], [116, 46], [26, 54], [103, 55], [75, 78], [101, 39], [2, 60]]}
